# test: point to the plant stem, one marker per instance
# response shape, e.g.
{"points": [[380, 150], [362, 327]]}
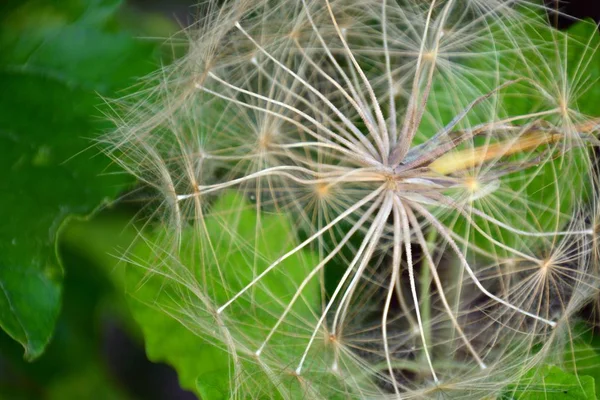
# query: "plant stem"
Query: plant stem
{"points": [[425, 285]]}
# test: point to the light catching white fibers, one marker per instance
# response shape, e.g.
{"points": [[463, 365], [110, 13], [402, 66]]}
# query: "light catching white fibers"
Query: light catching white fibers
{"points": [[423, 168]]}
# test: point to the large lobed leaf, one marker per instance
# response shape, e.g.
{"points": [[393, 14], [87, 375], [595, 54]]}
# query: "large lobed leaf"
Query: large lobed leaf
{"points": [[56, 58]]}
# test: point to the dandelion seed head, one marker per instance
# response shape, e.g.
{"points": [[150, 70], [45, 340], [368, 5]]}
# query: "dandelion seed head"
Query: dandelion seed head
{"points": [[385, 199]]}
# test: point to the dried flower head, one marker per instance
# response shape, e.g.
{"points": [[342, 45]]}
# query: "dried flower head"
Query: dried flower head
{"points": [[375, 198]]}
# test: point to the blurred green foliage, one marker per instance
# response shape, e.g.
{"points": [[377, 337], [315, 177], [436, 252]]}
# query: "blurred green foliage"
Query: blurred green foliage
{"points": [[56, 59], [72, 366], [552, 383]]}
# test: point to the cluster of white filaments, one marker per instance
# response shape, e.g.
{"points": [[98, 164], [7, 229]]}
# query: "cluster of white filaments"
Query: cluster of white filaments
{"points": [[432, 169]]}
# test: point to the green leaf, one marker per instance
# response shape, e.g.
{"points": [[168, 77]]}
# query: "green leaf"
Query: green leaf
{"points": [[166, 340], [87, 383], [28, 305], [214, 385], [585, 45], [563, 64], [56, 58], [552, 383], [176, 325], [74, 365], [582, 359], [159, 305]]}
